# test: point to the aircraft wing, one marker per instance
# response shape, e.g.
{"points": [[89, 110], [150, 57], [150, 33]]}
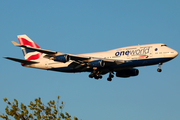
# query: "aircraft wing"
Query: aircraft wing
{"points": [[84, 66], [51, 53], [78, 66], [20, 60], [78, 58], [113, 61]]}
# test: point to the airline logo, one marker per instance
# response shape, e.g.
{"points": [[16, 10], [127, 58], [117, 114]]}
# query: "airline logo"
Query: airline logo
{"points": [[142, 52], [24, 41], [34, 57], [29, 54]]}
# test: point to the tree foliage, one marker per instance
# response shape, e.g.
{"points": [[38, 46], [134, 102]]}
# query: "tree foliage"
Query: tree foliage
{"points": [[35, 111]]}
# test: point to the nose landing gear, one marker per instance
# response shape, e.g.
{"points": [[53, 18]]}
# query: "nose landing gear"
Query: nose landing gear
{"points": [[110, 76], [159, 69]]}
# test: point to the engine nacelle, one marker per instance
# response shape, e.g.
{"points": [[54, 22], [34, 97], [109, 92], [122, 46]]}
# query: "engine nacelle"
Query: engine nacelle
{"points": [[97, 63], [127, 73], [62, 58]]}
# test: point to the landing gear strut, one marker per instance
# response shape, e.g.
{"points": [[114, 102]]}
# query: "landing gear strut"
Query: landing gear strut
{"points": [[159, 69], [110, 76]]}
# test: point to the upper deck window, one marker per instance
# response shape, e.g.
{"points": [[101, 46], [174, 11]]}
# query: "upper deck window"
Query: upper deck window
{"points": [[163, 45]]}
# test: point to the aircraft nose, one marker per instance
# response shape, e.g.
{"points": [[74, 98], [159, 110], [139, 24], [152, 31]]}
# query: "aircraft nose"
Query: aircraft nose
{"points": [[175, 53]]}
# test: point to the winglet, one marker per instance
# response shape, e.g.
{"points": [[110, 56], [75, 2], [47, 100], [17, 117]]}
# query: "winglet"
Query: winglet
{"points": [[15, 43]]}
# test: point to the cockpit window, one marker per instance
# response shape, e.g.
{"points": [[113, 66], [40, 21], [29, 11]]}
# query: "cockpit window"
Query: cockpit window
{"points": [[163, 45]]}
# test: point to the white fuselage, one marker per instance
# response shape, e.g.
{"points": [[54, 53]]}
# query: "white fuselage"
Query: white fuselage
{"points": [[133, 56]]}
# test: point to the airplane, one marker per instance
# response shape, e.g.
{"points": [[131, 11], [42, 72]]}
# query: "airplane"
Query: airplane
{"points": [[121, 61]]}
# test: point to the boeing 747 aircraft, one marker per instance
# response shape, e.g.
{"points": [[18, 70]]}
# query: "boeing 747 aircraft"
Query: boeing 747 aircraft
{"points": [[120, 61]]}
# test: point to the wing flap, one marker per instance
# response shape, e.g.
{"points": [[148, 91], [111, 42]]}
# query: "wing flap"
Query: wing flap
{"points": [[78, 66]]}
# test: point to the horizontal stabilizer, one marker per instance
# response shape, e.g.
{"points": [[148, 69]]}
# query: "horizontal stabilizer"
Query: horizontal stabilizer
{"points": [[21, 60], [15, 43]]}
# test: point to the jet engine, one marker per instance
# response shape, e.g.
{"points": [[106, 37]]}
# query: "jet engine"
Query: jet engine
{"points": [[127, 73], [97, 63], [62, 58]]}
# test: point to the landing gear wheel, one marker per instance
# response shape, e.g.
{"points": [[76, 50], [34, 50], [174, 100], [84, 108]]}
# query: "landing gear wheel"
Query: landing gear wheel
{"points": [[109, 79], [100, 76], [159, 70], [96, 77], [91, 75], [110, 76]]}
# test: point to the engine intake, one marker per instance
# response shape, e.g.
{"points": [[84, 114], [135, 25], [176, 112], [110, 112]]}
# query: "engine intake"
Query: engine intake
{"points": [[97, 63], [127, 73], [62, 58]]}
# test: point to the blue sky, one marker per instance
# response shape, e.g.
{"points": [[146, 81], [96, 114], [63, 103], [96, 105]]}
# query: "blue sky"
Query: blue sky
{"points": [[92, 26]]}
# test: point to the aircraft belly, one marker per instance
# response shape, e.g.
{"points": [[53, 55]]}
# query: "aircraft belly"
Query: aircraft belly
{"points": [[144, 62], [126, 64]]}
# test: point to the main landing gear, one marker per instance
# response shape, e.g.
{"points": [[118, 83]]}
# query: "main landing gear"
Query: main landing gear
{"points": [[95, 74], [159, 69], [98, 74]]}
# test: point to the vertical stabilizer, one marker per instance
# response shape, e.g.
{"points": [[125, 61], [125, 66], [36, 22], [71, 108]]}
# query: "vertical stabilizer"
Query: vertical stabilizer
{"points": [[29, 54]]}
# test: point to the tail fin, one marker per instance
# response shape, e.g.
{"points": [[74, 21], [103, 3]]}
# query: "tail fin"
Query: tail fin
{"points": [[29, 54]]}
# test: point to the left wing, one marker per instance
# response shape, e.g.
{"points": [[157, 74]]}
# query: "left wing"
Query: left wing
{"points": [[51, 53]]}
